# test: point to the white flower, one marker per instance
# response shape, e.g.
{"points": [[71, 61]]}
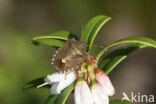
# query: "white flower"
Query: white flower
{"points": [[101, 86], [55, 77], [104, 80], [60, 81], [99, 96], [93, 86], [82, 93]]}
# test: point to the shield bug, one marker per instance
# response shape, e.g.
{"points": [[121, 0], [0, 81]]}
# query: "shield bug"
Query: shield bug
{"points": [[69, 56]]}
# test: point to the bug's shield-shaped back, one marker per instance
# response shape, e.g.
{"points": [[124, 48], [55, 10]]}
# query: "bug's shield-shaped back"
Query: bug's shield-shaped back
{"points": [[69, 56]]}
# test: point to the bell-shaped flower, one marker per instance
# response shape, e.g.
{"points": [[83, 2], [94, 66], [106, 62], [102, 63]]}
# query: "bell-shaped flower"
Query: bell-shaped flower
{"points": [[104, 80], [60, 81], [55, 77], [82, 93], [99, 95]]}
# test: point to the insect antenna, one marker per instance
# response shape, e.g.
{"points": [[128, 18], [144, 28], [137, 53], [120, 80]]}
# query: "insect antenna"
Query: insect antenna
{"points": [[81, 32]]}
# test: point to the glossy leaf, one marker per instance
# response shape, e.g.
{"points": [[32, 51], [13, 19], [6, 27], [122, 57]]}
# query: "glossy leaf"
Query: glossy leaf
{"points": [[60, 98], [91, 29], [120, 102], [56, 39], [34, 83], [109, 62], [140, 40], [51, 99]]}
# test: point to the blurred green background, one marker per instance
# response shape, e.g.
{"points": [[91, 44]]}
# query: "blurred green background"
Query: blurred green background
{"points": [[21, 61]]}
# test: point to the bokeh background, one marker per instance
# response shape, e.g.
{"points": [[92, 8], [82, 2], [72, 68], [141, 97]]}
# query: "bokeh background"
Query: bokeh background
{"points": [[21, 61]]}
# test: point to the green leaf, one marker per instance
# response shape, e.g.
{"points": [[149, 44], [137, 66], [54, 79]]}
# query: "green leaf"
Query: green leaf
{"points": [[140, 40], [91, 29], [34, 83], [56, 39], [109, 62], [51, 99], [61, 98], [49, 42], [120, 102]]}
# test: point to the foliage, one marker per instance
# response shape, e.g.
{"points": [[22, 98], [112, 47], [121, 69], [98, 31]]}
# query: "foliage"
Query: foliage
{"points": [[108, 63]]}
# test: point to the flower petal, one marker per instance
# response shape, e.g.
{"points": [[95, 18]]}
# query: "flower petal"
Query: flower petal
{"points": [[99, 95], [55, 77], [104, 80], [82, 93], [58, 87], [54, 90]]}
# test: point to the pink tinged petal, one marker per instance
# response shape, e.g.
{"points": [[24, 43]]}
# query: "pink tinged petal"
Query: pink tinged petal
{"points": [[58, 87], [82, 93], [104, 80], [99, 95]]}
